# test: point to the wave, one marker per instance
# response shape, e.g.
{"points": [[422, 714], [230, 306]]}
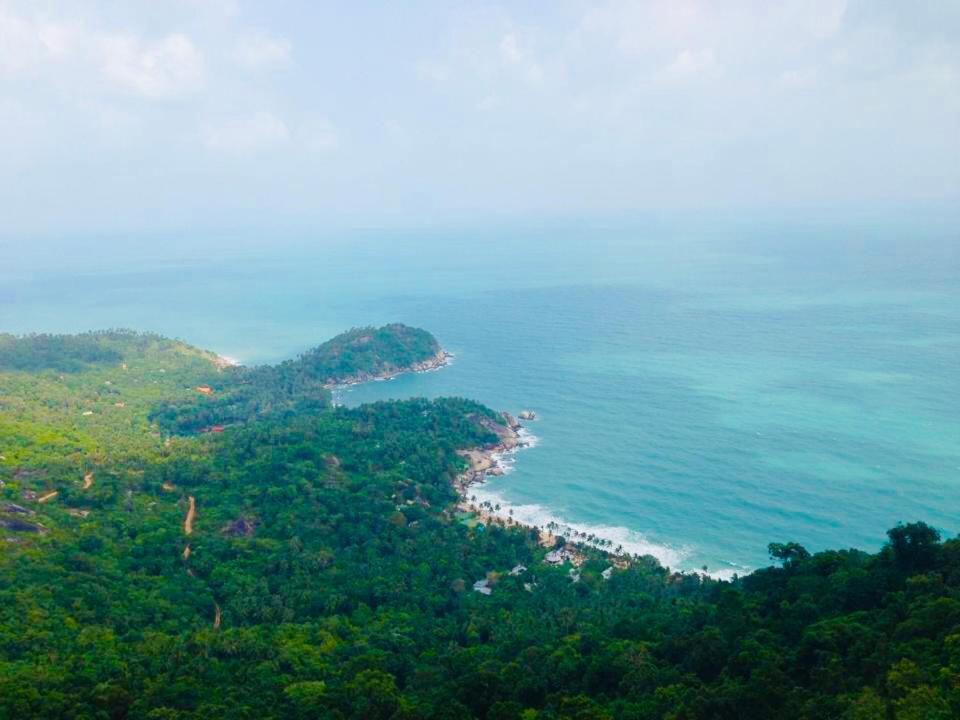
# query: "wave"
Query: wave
{"points": [[506, 459], [607, 537], [447, 362], [631, 541]]}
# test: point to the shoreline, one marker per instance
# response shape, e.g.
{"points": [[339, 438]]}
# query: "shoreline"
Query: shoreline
{"points": [[488, 461], [494, 461], [441, 359]]}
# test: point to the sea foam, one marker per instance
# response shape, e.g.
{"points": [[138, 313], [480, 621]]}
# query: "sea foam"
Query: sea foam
{"points": [[632, 542]]}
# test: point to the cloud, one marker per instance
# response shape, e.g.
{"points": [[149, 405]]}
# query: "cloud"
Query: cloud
{"points": [[262, 52], [170, 67], [245, 133], [689, 64], [317, 134], [583, 106], [514, 55], [510, 49], [26, 44]]}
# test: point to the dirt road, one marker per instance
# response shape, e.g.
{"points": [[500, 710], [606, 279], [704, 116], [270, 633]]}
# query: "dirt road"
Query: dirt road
{"points": [[188, 520]]}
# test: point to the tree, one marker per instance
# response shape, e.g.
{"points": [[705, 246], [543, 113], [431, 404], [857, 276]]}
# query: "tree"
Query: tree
{"points": [[308, 698], [789, 553], [914, 546]]}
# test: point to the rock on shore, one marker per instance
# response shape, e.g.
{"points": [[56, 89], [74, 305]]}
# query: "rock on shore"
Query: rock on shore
{"points": [[484, 461], [439, 360]]}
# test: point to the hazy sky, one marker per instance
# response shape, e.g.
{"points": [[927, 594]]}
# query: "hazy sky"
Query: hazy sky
{"points": [[127, 114]]}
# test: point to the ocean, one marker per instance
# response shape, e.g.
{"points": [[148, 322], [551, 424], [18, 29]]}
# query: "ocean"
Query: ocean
{"points": [[701, 391]]}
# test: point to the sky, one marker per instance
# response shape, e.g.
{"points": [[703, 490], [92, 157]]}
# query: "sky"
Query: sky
{"points": [[128, 115]]}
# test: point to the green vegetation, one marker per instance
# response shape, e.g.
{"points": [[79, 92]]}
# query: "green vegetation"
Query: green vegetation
{"points": [[301, 385], [328, 577], [364, 353]]}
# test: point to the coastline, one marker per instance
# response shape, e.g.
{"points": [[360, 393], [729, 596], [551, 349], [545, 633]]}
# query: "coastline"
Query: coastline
{"points": [[441, 359], [492, 461], [619, 544], [495, 460]]}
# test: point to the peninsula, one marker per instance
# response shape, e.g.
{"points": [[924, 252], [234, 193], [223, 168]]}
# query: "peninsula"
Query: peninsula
{"points": [[184, 539]]}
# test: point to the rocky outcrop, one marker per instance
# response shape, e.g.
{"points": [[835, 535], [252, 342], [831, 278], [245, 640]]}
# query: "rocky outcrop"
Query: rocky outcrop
{"points": [[485, 461], [441, 359], [18, 525], [13, 508], [241, 527]]}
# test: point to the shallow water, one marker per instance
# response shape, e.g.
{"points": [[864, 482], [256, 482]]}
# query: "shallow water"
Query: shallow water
{"points": [[700, 393]]}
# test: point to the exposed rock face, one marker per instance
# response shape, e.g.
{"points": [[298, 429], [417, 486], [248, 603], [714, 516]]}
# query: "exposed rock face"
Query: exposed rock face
{"points": [[527, 415], [12, 508], [241, 527], [507, 435], [331, 461], [18, 525], [484, 461]]}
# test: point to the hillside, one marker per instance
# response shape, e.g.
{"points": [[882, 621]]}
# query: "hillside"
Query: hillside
{"points": [[303, 384], [368, 353], [305, 561]]}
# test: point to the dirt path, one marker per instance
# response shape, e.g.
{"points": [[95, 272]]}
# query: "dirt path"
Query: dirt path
{"points": [[188, 520], [216, 616], [48, 496], [186, 553], [168, 487], [87, 480]]}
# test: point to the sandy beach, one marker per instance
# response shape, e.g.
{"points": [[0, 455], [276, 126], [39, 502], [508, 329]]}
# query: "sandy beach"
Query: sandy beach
{"points": [[487, 461]]}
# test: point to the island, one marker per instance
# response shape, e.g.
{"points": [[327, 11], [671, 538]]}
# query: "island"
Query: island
{"points": [[183, 539]]}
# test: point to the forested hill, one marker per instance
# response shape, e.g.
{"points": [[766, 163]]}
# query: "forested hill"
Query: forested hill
{"points": [[305, 562], [302, 385], [367, 353]]}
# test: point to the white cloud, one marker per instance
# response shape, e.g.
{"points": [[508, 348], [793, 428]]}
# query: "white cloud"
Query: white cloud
{"points": [[510, 49], [244, 133], [317, 134], [515, 55], [262, 52], [689, 64], [170, 67], [71, 52], [25, 43]]}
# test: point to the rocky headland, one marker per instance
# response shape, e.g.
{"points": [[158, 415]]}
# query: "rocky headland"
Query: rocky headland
{"points": [[435, 362]]}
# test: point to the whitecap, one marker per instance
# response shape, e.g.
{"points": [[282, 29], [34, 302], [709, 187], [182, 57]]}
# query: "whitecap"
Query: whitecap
{"points": [[632, 542]]}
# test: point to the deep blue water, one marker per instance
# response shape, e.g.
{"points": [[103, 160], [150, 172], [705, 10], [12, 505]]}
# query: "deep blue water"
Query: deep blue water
{"points": [[701, 393]]}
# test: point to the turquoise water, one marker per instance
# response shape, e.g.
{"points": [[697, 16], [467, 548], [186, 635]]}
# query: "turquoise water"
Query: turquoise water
{"points": [[701, 393]]}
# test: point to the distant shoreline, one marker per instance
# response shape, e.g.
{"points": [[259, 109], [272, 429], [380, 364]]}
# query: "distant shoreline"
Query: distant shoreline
{"points": [[439, 360]]}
